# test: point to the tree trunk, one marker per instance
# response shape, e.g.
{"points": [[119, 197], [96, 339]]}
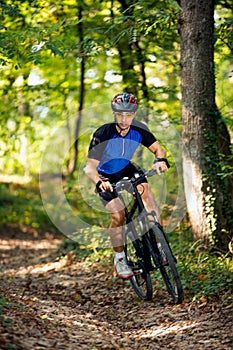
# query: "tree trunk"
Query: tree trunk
{"points": [[74, 160], [129, 76], [208, 198]]}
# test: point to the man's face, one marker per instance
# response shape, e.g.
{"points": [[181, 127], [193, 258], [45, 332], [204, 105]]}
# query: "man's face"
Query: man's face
{"points": [[124, 119]]}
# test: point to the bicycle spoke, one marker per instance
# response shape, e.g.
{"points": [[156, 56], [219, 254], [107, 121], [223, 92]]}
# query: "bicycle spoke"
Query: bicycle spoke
{"points": [[141, 281], [168, 269]]}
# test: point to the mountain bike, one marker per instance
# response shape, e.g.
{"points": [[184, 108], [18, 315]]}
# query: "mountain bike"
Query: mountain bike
{"points": [[147, 249]]}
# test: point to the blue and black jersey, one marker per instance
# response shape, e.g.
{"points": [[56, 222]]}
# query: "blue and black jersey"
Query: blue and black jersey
{"points": [[115, 151]]}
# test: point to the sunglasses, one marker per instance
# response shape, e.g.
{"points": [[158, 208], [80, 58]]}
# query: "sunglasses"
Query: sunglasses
{"points": [[125, 114]]}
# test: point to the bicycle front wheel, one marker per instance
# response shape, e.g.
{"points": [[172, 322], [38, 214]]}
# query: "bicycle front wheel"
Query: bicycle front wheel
{"points": [[141, 281], [167, 268]]}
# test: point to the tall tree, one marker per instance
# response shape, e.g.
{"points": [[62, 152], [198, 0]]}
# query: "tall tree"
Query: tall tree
{"points": [[124, 46], [73, 162], [205, 136]]}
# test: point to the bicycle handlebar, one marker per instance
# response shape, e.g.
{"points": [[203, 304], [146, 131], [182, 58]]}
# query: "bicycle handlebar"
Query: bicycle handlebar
{"points": [[127, 182], [150, 172]]}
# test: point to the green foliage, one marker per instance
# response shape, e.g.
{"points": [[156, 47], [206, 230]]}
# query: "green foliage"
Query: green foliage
{"points": [[227, 166], [223, 68], [4, 303], [70, 246], [21, 205], [85, 203], [205, 274], [41, 53], [216, 173], [95, 249], [43, 41], [224, 27]]}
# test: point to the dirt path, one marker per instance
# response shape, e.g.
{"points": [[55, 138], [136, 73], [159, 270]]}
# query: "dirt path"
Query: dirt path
{"points": [[64, 304]]}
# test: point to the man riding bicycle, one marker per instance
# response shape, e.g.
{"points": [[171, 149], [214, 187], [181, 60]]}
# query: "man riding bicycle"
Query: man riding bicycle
{"points": [[109, 160]]}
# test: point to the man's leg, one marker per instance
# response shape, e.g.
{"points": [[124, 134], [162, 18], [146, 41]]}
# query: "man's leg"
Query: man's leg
{"points": [[148, 199], [116, 232], [150, 205], [117, 213]]}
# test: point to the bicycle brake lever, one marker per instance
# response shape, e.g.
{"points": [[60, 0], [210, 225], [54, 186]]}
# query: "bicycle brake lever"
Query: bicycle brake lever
{"points": [[150, 173], [121, 184]]}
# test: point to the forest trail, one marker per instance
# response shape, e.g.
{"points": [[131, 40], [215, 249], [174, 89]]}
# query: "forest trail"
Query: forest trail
{"points": [[63, 304]]}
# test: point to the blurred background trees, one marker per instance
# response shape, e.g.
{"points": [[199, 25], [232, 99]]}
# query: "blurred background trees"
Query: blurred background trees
{"points": [[63, 61]]}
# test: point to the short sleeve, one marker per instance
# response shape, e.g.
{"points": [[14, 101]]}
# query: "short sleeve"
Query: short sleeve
{"points": [[98, 141], [147, 137], [94, 148]]}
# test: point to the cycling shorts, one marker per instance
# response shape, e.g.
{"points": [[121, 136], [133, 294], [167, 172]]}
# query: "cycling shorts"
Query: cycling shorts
{"points": [[129, 171]]}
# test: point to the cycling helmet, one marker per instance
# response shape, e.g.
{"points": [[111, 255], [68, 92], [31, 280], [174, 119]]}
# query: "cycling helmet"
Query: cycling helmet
{"points": [[124, 103]]}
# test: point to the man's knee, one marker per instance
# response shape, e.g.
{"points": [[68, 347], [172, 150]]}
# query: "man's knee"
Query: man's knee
{"points": [[118, 218], [145, 193]]}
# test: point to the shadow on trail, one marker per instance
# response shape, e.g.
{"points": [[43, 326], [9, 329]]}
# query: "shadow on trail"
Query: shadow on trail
{"points": [[61, 303]]}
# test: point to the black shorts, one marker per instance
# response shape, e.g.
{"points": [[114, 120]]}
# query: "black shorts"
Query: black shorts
{"points": [[129, 171]]}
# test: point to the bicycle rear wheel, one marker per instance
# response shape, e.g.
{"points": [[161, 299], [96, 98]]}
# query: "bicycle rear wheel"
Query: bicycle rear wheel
{"points": [[167, 269], [141, 281]]}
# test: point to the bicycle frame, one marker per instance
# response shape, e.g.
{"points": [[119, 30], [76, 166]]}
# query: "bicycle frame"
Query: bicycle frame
{"points": [[143, 219], [138, 203], [145, 239]]}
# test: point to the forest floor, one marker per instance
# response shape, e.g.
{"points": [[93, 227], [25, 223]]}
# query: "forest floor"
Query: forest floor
{"points": [[51, 303]]}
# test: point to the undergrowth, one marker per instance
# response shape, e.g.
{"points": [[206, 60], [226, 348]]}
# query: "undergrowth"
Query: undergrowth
{"points": [[203, 273], [22, 205]]}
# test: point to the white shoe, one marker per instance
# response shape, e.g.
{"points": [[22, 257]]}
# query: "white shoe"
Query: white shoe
{"points": [[122, 269]]}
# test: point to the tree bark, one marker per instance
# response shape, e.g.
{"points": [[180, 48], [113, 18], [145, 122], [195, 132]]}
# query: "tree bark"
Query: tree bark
{"points": [[74, 160], [208, 199]]}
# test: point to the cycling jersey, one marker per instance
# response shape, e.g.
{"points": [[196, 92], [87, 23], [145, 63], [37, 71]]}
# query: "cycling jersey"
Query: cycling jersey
{"points": [[114, 151]]}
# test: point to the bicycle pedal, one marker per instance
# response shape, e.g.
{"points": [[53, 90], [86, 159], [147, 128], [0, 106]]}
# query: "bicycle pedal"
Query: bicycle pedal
{"points": [[137, 272], [152, 268]]}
